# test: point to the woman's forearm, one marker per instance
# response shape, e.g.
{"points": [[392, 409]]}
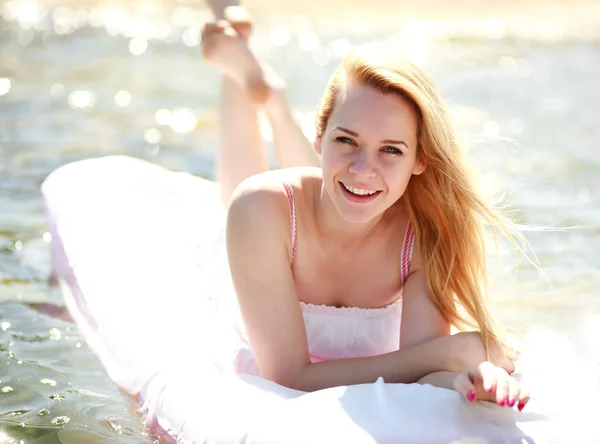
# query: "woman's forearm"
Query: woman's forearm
{"points": [[442, 379], [402, 366]]}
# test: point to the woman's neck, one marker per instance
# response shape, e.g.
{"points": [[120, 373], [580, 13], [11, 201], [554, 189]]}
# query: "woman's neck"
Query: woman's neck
{"points": [[330, 225]]}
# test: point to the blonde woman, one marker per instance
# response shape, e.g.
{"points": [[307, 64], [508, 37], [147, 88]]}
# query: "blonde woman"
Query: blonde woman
{"points": [[356, 269]]}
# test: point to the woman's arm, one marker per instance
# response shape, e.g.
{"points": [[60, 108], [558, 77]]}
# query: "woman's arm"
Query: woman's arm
{"points": [[422, 321], [258, 247], [440, 379]]}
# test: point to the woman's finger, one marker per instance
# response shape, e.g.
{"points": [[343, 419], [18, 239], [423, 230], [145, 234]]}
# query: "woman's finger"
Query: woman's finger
{"points": [[502, 386], [523, 397], [464, 386], [513, 391], [486, 376]]}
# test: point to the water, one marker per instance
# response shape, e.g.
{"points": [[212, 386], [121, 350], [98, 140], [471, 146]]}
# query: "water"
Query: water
{"points": [[77, 83]]}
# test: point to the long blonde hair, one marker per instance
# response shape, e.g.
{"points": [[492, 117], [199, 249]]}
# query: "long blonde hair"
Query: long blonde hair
{"points": [[443, 203]]}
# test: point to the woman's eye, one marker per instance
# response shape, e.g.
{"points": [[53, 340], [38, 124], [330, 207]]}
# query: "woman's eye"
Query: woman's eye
{"points": [[392, 150], [344, 140]]}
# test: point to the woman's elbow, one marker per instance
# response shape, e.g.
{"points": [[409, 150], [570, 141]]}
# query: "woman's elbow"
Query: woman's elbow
{"points": [[291, 378]]}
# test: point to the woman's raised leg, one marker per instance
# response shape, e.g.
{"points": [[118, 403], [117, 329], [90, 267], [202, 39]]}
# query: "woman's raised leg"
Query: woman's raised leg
{"points": [[240, 152], [248, 84]]}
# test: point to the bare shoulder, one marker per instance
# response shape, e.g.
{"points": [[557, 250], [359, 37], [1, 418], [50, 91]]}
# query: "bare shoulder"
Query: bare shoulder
{"points": [[258, 203], [266, 190], [259, 207]]}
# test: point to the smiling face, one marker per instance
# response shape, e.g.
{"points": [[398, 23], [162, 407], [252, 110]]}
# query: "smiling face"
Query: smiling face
{"points": [[369, 151]]}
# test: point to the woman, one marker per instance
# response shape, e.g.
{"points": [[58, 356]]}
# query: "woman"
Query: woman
{"points": [[358, 269]]}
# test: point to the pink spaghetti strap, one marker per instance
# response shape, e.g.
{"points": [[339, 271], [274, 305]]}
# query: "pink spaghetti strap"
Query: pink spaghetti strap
{"points": [[290, 196], [407, 250], [407, 245]]}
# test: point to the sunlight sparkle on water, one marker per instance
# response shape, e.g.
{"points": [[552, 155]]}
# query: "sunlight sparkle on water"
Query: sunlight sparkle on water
{"points": [[279, 36], [308, 41], [340, 48], [139, 27], [26, 13], [81, 99], [413, 41], [123, 98], [321, 56], [113, 19], [191, 37], [60, 421], [138, 46], [96, 18], [184, 17], [183, 120], [5, 439], [163, 116], [67, 20], [5, 85], [55, 334], [152, 136], [491, 129]]}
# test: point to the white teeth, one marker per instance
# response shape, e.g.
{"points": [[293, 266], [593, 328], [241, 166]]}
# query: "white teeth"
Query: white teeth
{"points": [[359, 191]]}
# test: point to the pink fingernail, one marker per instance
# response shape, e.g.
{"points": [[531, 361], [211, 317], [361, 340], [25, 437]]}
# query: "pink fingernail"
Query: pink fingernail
{"points": [[521, 406], [501, 402], [489, 389], [471, 395], [511, 402]]}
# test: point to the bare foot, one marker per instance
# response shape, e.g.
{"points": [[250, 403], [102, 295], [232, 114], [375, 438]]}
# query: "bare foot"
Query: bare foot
{"points": [[240, 20], [225, 49], [218, 7]]}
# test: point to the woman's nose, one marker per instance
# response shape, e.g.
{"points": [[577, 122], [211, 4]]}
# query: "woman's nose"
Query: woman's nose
{"points": [[363, 166]]}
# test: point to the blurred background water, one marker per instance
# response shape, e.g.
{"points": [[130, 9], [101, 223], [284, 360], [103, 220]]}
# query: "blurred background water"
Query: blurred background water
{"points": [[79, 80]]}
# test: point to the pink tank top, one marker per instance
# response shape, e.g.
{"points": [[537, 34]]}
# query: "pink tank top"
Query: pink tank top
{"points": [[407, 246], [342, 332], [337, 332]]}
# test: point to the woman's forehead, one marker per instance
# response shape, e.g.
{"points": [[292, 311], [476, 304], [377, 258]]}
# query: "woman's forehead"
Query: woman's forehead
{"points": [[360, 105]]}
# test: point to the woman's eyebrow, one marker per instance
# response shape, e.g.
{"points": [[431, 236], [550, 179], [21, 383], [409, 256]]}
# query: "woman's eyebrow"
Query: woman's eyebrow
{"points": [[390, 141]]}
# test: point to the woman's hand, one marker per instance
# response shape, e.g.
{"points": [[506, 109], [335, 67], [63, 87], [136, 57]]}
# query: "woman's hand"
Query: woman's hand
{"points": [[487, 382], [469, 352]]}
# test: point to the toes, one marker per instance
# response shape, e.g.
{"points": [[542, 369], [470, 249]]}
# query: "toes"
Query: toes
{"points": [[237, 14], [215, 29], [213, 26], [240, 20], [244, 30]]}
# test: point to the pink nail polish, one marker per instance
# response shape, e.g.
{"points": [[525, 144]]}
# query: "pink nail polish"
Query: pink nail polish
{"points": [[501, 402], [521, 406], [511, 402], [489, 389], [471, 395]]}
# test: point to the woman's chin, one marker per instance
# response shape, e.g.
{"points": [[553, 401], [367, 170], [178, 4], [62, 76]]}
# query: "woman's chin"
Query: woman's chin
{"points": [[358, 216]]}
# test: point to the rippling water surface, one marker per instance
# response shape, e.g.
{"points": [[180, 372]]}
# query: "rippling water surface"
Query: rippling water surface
{"points": [[82, 82]]}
